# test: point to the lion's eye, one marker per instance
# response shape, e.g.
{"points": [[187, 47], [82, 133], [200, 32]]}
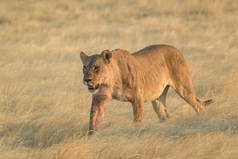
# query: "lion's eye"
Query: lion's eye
{"points": [[96, 68]]}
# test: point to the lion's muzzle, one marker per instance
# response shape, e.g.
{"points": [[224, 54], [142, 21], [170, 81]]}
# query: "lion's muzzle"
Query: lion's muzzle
{"points": [[91, 87]]}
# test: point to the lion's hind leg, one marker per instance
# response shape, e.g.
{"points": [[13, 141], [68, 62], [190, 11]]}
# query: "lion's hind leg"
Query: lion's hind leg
{"points": [[159, 105], [186, 91]]}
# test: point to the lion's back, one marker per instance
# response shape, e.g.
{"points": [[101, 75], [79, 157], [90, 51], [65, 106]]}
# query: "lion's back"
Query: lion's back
{"points": [[155, 52], [160, 56]]}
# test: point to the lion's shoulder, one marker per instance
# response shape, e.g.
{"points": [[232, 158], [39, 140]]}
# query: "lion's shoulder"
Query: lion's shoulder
{"points": [[121, 52]]}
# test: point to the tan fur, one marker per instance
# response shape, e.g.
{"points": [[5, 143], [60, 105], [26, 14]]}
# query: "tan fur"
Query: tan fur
{"points": [[140, 77]]}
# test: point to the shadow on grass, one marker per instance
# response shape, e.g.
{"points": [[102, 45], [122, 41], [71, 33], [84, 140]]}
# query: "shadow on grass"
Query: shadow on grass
{"points": [[193, 127], [4, 21], [41, 133], [175, 129]]}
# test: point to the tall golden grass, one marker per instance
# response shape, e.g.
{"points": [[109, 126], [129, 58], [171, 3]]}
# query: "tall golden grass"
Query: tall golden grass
{"points": [[44, 107]]}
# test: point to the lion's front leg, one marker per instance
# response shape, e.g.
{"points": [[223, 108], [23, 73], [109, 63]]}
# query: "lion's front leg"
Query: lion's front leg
{"points": [[97, 112], [137, 106]]}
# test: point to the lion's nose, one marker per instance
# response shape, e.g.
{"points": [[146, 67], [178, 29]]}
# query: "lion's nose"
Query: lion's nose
{"points": [[89, 82]]}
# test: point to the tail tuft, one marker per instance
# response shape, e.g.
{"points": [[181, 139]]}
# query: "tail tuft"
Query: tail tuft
{"points": [[208, 102]]}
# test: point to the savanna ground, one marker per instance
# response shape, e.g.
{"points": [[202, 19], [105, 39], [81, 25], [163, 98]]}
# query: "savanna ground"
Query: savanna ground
{"points": [[44, 107]]}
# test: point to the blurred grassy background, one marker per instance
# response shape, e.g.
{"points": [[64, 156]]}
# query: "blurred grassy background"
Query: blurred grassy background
{"points": [[44, 107]]}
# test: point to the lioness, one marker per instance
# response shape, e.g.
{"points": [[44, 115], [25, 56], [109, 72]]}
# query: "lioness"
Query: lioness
{"points": [[143, 76]]}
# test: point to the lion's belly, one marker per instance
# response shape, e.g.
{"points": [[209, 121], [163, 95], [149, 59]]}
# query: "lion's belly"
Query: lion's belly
{"points": [[154, 87], [154, 92]]}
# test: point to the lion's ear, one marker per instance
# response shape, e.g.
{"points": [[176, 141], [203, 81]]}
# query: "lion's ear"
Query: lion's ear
{"points": [[107, 55], [83, 57]]}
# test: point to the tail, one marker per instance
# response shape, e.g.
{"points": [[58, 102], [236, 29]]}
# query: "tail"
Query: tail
{"points": [[208, 102]]}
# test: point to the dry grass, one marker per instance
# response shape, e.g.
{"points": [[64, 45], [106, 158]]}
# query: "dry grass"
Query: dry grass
{"points": [[44, 106]]}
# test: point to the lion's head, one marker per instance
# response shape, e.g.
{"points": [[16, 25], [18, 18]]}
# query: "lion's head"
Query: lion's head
{"points": [[95, 69]]}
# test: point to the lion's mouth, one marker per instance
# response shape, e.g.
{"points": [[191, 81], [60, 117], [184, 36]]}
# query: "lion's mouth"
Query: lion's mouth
{"points": [[92, 88]]}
